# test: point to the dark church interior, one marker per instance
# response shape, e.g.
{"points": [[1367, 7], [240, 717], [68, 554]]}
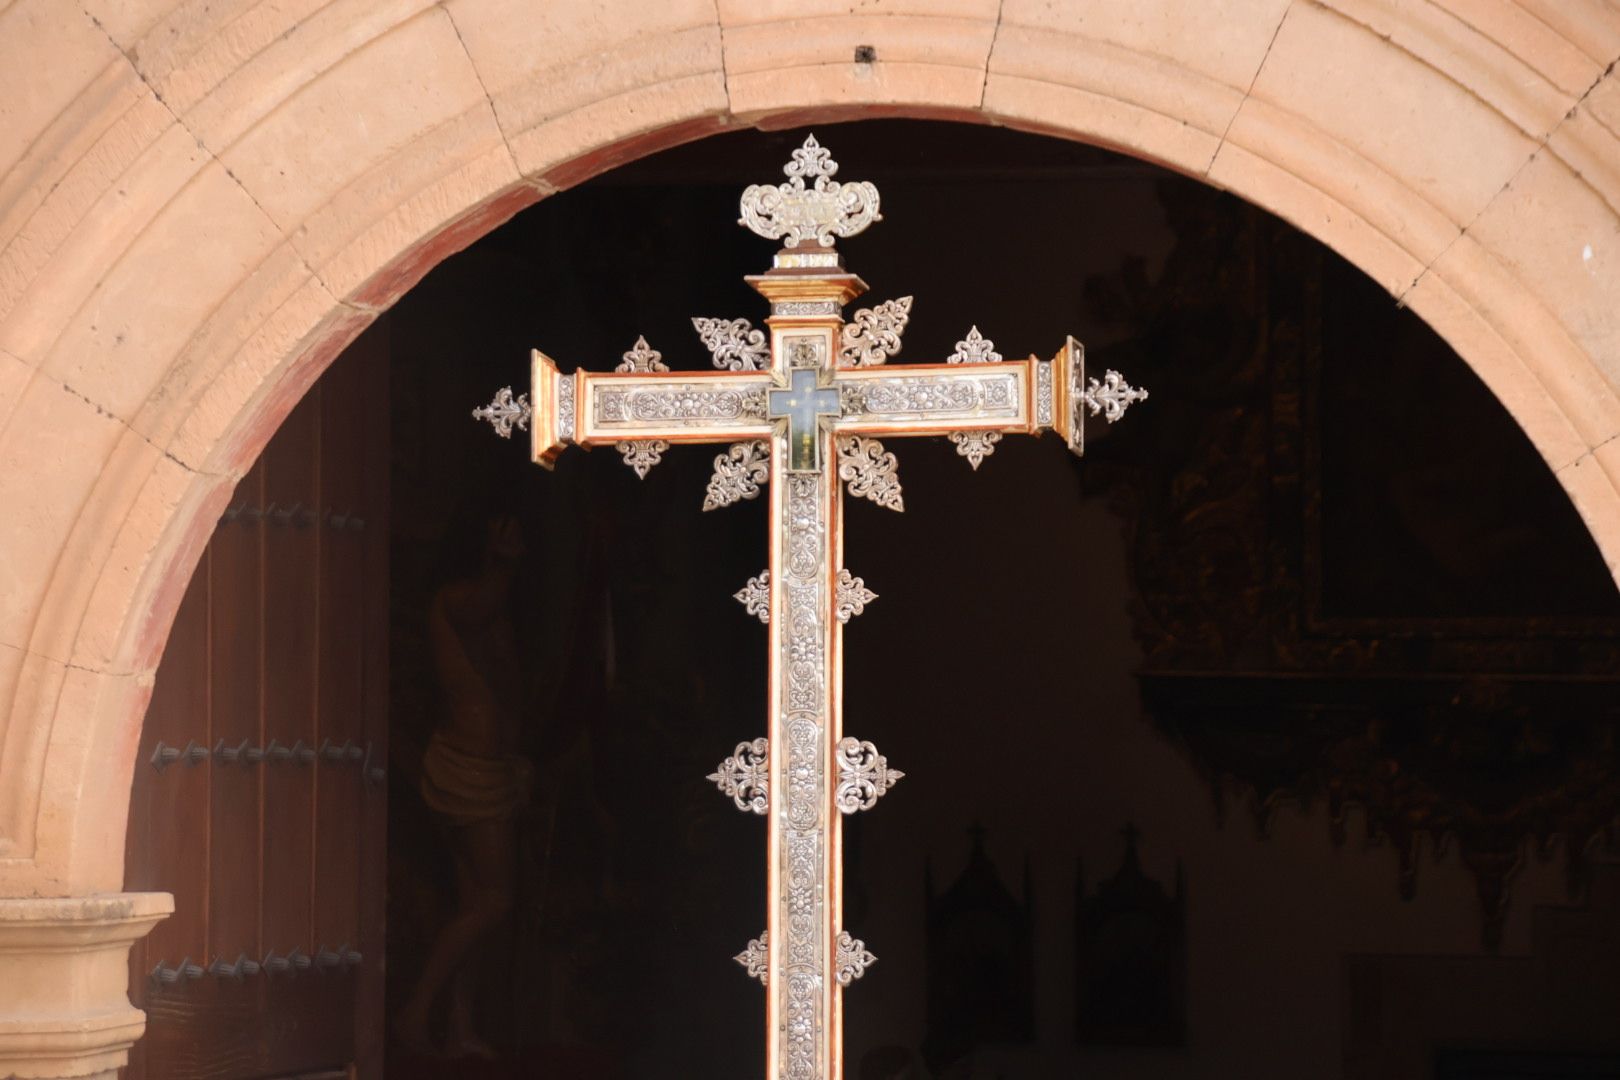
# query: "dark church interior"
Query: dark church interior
{"points": [[1273, 739]]}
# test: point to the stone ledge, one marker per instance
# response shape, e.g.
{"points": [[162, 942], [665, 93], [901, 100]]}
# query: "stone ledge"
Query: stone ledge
{"points": [[64, 998]]}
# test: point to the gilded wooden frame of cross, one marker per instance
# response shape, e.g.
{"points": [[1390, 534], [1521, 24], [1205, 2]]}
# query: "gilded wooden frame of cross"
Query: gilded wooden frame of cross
{"points": [[804, 405]]}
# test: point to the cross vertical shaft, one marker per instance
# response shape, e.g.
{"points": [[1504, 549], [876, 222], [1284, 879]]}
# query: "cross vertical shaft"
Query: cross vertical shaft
{"points": [[804, 1012]]}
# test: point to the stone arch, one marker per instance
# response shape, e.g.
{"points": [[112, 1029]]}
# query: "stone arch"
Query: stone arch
{"points": [[202, 203]]}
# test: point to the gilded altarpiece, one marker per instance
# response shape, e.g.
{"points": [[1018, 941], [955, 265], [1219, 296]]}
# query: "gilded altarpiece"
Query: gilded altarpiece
{"points": [[1319, 565]]}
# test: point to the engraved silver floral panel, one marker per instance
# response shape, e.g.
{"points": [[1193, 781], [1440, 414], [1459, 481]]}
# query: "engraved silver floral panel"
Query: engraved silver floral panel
{"points": [[693, 404], [734, 344], [757, 958], [799, 214], [642, 357], [870, 472], [756, 596], [872, 335], [565, 407], [800, 721], [805, 307], [990, 395], [1045, 412], [1112, 396], [642, 454], [864, 776], [738, 474], [851, 597], [505, 412], [746, 776], [853, 958]]}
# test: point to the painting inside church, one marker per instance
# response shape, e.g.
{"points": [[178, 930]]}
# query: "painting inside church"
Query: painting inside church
{"points": [[1275, 737]]}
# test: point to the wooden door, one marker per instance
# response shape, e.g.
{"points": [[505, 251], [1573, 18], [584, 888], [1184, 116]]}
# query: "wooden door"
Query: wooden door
{"points": [[259, 793]]}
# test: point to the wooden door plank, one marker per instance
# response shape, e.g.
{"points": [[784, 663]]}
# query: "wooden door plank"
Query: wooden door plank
{"points": [[173, 835], [168, 835], [340, 719], [290, 621], [235, 583], [370, 1020]]}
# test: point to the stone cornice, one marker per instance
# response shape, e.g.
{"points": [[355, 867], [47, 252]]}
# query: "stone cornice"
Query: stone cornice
{"points": [[64, 1002]]}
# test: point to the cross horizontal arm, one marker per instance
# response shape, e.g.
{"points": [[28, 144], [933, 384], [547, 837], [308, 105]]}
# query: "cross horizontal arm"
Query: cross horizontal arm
{"points": [[592, 409], [936, 399], [1016, 396]]}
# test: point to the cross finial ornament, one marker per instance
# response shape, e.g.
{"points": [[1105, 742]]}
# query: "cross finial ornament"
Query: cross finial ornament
{"points": [[816, 213], [804, 405]]}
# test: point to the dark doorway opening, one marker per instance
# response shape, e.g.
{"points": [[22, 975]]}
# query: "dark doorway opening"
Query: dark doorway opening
{"points": [[1227, 747]]}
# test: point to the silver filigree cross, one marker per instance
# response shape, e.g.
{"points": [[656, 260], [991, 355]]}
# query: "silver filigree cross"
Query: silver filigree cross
{"points": [[800, 406]]}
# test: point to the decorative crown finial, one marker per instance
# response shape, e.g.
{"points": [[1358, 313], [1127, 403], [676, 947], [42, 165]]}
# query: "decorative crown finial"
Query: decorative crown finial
{"points": [[798, 213]]}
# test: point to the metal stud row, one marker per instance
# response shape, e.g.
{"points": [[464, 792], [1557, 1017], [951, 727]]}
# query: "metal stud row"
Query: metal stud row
{"points": [[297, 515], [295, 962], [194, 753]]}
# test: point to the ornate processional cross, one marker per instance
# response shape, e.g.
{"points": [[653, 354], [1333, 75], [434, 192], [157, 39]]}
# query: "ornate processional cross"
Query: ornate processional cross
{"points": [[804, 412]]}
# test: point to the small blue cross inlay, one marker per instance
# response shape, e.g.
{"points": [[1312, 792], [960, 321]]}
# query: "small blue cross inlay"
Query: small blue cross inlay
{"points": [[803, 403]]}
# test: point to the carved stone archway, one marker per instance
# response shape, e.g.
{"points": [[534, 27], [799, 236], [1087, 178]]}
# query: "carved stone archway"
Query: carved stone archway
{"points": [[201, 204]]}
